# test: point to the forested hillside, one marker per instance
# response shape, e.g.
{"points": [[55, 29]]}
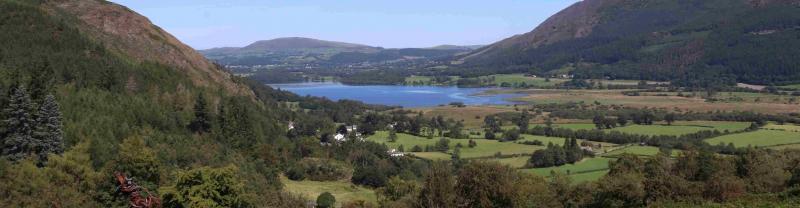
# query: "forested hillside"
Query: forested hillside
{"points": [[128, 97], [725, 40]]}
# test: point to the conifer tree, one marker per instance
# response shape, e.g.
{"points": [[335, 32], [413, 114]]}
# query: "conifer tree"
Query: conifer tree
{"points": [[48, 134], [18, 125], [202, 121]]}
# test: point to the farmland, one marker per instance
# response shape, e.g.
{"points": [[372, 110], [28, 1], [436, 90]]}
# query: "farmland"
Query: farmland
{"points": [[343, 190], [760, 138], [727, 102], [484, 148]]}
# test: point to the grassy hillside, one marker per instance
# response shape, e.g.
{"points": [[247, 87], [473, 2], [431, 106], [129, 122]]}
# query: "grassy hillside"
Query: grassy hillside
{"points": [[723, 40]]}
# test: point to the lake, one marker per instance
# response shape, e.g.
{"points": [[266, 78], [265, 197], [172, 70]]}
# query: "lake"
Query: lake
{"points": [[396, 95]]}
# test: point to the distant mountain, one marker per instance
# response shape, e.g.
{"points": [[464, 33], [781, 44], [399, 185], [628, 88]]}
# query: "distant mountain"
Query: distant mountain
{"points": [[752, 41], [301, 52], [457, 47], [291, 44]]}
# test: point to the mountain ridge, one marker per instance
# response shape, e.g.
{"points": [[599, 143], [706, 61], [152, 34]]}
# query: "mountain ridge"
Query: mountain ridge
{"points": [[741, 41]]}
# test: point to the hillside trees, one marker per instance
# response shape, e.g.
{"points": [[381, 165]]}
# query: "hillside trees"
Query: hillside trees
{"points": [[202, 119], [19, 125], [28, 132], [556, 155], [205, 187]]}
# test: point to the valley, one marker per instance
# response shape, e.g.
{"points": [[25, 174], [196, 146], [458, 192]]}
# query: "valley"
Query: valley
{"points": [[607, 103]]}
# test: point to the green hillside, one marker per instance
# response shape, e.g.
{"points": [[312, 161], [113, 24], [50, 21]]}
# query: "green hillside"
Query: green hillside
{"points": [[684, 41]]}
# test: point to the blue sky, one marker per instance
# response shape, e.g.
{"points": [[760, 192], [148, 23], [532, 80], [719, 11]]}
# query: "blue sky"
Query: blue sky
{"points": [[393, 24]]}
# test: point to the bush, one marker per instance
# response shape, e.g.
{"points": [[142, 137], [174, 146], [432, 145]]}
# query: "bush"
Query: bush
{"points": [[326, 200]]}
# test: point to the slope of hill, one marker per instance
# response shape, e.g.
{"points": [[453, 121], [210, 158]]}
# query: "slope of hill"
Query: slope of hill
{"points": [[130, 95], [733, 40], [123, 31]]}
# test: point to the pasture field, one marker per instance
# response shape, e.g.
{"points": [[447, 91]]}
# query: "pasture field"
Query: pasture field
{"points": [[521, 78], [432, 155], [678, 129], [787, 127], [587, 165], [416, 79], [472, 116], [344, 191], [637, 150], [786, 146], [794, 86], [484, 148], [759, 138]]}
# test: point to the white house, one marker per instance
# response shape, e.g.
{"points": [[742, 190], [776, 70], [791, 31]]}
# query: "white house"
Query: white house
{"points": [[395, 153], [339, 137]]}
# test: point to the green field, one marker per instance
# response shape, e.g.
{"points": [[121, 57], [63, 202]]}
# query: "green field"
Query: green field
{"points": [[758, 138], [520, 78], [416, 79], [793, 128], [786, 146], [587, 165], [432, 155], [484, 148], [343, 191], [794, 86], [638, 150], [586, 126], [681, 128], [589, 169], [516, 162]]}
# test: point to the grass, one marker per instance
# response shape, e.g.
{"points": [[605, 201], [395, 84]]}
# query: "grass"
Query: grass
{"points": [[516, 162], [417, 79], [484, 148], [792, 128], [342, 190], [681, 128], [587, 165], [590, 169], [520, 78], [669, 102], [432, 155], [794, 86], [786, 146], [760, 138], [472, 116]]}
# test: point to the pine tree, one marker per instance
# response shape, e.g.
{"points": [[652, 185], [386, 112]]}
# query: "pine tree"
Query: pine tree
{"points": [[19, 125], [48, 134], [201, 122]]}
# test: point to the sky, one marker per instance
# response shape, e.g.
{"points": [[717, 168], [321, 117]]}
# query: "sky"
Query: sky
{"points": [[205, 24]]}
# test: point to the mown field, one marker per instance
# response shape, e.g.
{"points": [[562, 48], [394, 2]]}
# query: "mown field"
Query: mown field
{"points": [[589, 169], [344, 191], [792, 128], [484, 148], [760, 138]]}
